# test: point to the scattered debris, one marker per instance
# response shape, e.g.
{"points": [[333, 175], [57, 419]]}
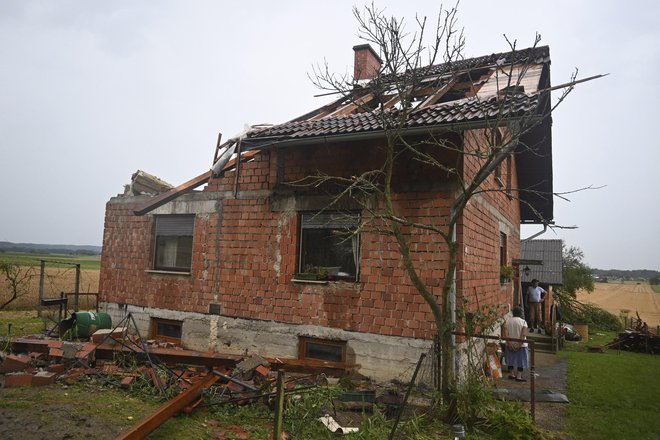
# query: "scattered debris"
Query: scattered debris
{"points": [[187, 379], [333, 426], [638, 338], [145, 183]]}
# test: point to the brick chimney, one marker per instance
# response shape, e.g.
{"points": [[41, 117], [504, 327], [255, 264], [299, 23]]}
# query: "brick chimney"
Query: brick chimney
{"points": [[367, 62]]}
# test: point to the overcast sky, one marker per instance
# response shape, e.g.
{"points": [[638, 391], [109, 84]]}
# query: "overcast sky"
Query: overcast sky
{"points": [[91, 91]]}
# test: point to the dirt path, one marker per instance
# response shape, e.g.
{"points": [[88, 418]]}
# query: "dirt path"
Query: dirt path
{"points": [[551, 370], [632, 296]]}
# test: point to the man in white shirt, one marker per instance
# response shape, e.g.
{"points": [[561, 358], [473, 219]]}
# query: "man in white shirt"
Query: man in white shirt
{"points": [[535, 296]]}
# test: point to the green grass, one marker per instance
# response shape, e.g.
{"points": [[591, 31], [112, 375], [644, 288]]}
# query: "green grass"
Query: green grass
{"points": [[22, 323], [613, 394], [656, 288], [52, 260]]}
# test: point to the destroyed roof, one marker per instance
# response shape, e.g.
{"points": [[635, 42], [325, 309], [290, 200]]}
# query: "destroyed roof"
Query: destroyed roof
{"points": [[548, 251], [345, 117], [463, 94]]}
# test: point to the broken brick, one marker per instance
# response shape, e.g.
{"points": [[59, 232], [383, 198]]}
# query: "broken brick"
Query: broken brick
{"points": [[238, 432], [56, 368], [110, 368], [43, 378], [87, 352], [262, 370], [127, 381], [15, 362], [55, 344], [108, 335], [56, 352], [18, 380]]}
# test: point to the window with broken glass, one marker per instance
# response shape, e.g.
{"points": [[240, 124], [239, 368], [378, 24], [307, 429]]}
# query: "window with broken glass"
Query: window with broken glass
{"points": [[174, 242], [330, 245]]}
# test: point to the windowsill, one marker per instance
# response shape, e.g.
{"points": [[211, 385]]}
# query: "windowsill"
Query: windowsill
{"points": [[166, 272], [299, 281]]}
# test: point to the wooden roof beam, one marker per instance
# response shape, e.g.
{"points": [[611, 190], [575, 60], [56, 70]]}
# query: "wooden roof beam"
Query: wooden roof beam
{"points": [[165, 197]]}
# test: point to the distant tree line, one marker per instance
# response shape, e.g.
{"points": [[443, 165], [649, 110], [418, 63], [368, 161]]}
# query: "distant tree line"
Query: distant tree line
{"points": [[636, 274], [30, 248]]}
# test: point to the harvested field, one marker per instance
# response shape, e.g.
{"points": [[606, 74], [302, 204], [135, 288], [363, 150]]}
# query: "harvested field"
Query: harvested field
{"points": [[616, 296], [56, 280]]}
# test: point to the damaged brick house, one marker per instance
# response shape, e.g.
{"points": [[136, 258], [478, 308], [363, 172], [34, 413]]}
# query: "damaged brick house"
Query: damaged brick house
{"points": [[220, 268]]}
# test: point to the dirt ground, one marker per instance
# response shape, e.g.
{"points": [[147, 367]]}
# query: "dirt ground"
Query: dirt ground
{"points": [[52, 421], [56, 280], [635, 297]]}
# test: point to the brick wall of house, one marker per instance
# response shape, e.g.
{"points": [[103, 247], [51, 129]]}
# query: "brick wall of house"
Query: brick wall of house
{"points": [[488, 214], [246, 253]]}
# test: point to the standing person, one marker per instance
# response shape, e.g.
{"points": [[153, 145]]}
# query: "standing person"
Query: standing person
{"points": [[535, 296], [515, 353]]}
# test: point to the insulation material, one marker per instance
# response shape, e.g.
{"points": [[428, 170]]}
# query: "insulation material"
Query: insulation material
{"points": [[494, 366]]}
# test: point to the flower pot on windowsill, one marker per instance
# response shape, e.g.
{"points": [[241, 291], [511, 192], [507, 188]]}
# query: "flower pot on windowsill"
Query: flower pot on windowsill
{"points": [[506, 274], [305, 276]]}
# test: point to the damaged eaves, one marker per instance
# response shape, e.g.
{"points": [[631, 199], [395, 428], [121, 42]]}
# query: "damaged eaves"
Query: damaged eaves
{"points": [[465, 94]]}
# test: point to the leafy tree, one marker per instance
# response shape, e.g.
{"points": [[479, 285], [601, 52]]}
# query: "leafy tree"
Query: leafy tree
{"points": [[578, 276]]}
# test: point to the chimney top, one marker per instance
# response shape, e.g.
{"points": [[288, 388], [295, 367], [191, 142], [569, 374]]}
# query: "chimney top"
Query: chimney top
{"points": [[367, 62]]}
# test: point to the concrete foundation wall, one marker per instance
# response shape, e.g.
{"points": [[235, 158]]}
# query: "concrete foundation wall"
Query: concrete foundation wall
{"points": [[379, 357]]}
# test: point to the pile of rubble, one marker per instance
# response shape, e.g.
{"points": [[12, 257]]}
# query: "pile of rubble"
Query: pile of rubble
{"points": [[638, 339], [184, 378]]}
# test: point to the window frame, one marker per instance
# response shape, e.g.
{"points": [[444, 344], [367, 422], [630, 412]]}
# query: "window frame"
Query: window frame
{"points": [[333, 220], [305, 341], [156, 335], [503, 249], [162, 229]]}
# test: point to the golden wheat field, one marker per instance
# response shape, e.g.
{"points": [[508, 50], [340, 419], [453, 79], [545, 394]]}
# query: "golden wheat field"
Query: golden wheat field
{"points": [[56, 280], [629, 295]]}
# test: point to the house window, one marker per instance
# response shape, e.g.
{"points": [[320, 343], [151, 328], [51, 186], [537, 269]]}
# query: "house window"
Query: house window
{"points": [[330, 241], [322, 349], [502, 249], [174, 242], [165, 329]]}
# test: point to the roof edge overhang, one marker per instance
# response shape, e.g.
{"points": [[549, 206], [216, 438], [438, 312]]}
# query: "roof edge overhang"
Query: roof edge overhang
{"points": [[284, 141]]}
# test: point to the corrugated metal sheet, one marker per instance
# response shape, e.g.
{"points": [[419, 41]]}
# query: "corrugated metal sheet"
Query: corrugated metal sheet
{"points": [[548, 251]]}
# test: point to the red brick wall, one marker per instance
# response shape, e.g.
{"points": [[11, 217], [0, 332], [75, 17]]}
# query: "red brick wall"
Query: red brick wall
{"points": [[479, 233], [245, 255]]}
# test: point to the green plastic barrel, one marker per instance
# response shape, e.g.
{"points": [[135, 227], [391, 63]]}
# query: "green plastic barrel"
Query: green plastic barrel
{"points": [[86, 323]]}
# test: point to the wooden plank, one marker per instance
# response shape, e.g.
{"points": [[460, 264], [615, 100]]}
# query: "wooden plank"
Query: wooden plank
{"points": [[165, 197], [149, 424]]}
